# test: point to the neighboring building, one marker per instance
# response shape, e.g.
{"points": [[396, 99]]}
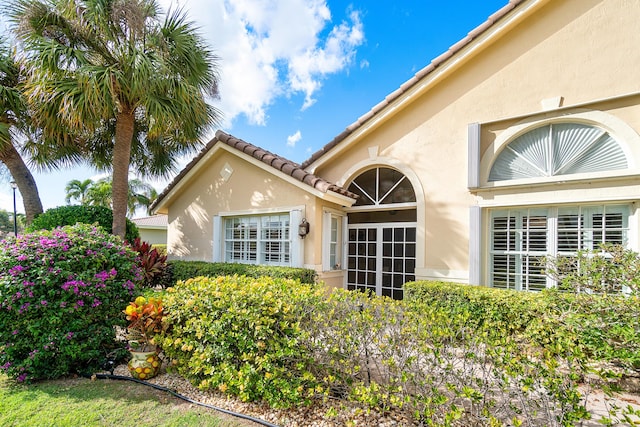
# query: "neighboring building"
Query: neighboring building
{"points": [[153, 229], [520, 141]]}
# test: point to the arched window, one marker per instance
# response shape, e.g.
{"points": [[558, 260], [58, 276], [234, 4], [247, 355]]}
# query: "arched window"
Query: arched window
{"points": [[558, 149], [381, 186], [381, 240]]}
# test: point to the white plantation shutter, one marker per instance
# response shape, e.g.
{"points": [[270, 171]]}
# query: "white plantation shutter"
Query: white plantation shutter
{"points": [[558, 149], [520, 238]]}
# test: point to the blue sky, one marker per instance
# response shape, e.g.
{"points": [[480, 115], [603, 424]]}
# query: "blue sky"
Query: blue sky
{"points": [[296, 73]]}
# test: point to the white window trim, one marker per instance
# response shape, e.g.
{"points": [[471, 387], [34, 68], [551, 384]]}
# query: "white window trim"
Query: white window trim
{"points": [[296, 213], [327, 216]]}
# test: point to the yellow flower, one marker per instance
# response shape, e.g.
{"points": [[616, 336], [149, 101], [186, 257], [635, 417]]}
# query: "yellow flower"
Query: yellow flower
{"points": [[141, 300]]}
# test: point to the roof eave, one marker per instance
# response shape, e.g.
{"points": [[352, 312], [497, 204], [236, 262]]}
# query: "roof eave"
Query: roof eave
{"points": [[476, 41]]}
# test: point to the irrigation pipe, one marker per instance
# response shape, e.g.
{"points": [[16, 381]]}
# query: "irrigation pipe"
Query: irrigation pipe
{"points": [[180, 396]]}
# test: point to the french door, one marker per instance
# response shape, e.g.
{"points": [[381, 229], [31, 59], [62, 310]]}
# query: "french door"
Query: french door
{"points": [[381, 257]]}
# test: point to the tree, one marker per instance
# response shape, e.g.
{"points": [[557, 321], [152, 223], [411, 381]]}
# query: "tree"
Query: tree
{"points": [[131, 87], [141, 195], [14, 122], [77, 190], [99, 193]]}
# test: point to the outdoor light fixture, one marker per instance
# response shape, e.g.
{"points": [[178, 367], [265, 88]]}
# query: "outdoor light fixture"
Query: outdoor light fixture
{"points": [[15, 219], [303, 228]]}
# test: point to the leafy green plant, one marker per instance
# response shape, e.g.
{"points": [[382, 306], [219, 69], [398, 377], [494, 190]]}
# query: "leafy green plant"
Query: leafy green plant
{"points": [[183, 270], [608, 269], [70, 215], [438, 367], [61, 292], [241, 335]]}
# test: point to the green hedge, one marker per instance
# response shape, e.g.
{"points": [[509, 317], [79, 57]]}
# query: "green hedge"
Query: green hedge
{"points": [[183, 270], [70, 215], [597, 328], [288, 343], [240, 335]]}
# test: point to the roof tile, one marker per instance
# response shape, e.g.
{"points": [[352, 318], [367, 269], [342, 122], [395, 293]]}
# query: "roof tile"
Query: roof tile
{"points": [[280, 163]]}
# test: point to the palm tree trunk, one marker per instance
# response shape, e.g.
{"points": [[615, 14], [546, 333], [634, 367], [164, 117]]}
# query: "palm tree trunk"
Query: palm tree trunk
{"points": [[121, 160], [24, 179]]}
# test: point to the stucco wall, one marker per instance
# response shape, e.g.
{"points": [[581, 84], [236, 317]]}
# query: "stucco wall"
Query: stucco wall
{"points": [[584, 51], [249, 189]]}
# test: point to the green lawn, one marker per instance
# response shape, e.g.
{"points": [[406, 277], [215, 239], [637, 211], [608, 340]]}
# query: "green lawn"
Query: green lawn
{"points": [[82, 402]]}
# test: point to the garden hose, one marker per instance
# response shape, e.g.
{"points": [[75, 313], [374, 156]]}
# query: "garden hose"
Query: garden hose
{"points": [[185, 398]]}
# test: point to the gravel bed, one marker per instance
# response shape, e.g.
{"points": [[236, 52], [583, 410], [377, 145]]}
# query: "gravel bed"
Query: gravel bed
{"points": [[319, 414]]}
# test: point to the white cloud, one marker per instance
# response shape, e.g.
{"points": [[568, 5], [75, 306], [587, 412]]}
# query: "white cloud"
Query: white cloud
{"points": [[293, 139], [272, 48]]}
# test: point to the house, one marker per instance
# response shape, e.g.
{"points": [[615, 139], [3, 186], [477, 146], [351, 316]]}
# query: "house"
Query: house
{"points": [[153, 229], [522, 140]]}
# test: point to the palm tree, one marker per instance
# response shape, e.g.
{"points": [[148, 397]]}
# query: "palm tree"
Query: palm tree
{"points": [[77, 190], [99, 193], [113, 78], [14, 123], [141, 195]]}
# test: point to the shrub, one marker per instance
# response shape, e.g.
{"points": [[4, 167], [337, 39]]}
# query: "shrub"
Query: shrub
{"points": [[183, 270], [437, 367], [160, 247], [591, 328], [70, 215], [241, 335], [152, 263], [609, 269], [61, 294]]}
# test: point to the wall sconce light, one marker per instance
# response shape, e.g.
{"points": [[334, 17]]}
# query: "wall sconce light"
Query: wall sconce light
{"points": [[303, 228]]}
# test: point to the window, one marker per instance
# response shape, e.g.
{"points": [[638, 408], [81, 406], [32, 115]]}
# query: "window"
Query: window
{"points": [[382, 186], [558, 149], [258, 240], [520, 238], [335, 243], [332, 240]]}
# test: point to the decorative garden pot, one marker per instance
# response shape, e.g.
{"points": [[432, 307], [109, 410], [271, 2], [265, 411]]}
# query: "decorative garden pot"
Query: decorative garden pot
{"points": [[144, 365]]}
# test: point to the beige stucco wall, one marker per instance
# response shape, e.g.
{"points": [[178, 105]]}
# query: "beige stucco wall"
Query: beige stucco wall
{"points": [[584, 51], [551, 58], [248, 190], [155, 236]]}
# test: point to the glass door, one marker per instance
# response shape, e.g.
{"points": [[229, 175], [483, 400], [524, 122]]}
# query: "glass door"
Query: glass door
{"points": [[381, 258]]}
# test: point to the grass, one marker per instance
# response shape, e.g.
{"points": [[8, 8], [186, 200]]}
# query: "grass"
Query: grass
{"points": [[82, 402]]}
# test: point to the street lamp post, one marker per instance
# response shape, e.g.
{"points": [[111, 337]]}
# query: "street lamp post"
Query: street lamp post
{"points": [[15, 219]]}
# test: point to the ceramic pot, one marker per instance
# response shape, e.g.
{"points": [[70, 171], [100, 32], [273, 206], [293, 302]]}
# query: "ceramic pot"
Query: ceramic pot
{"points": [[144, 365]]}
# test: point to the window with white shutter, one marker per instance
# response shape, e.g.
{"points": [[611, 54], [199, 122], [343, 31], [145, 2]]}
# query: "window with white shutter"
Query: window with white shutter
{"points": [[521, 238]]}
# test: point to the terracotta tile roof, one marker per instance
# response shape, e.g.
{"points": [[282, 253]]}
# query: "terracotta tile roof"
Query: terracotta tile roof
{"points": [[435, 63], [277, 162], [151, 221], [280, 163]]}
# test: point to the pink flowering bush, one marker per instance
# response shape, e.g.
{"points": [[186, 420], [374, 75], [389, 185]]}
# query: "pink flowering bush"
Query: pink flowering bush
{"points": [[61, 292]]}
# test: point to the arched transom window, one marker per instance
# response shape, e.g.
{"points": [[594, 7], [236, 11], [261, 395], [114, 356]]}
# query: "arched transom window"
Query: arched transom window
{"points": [[558, 149], [381, 186]]}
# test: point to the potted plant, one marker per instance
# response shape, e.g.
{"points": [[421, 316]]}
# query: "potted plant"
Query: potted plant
{"points": [[145, 320]]}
